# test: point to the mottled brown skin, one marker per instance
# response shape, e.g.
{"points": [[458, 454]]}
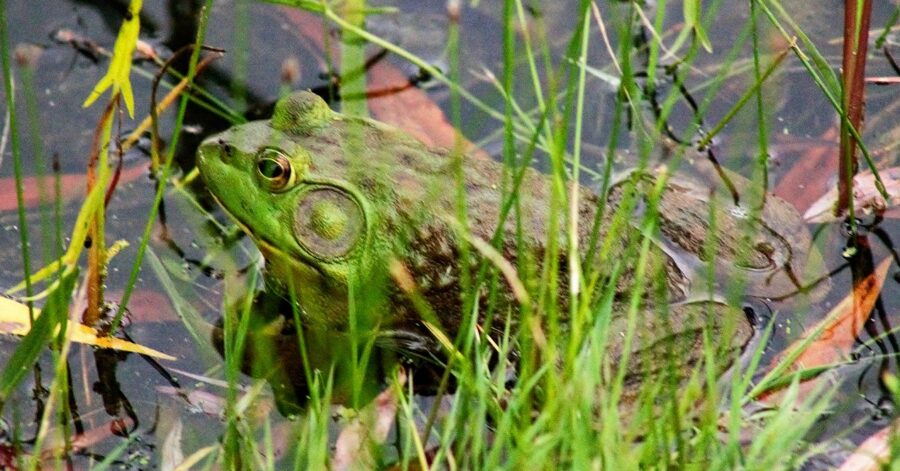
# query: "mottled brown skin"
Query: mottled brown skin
{"points": [[408, 194]]}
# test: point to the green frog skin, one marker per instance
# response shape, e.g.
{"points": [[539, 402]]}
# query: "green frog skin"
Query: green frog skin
{"points": [[332, 200]]}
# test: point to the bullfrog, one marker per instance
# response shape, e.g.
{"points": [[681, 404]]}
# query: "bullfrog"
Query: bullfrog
{"points": [[339, 204]]}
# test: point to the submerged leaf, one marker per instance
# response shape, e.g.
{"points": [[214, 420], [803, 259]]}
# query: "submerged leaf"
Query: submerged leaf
{"points": [[171, 454], [66, 264], [407, 107], [71, 187]]}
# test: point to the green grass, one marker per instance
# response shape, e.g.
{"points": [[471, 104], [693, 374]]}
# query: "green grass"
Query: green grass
{"points": [[569, 406]]}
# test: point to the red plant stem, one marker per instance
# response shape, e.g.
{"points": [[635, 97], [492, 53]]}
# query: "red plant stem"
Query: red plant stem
{"points": [[856, 42], [97, 250]]}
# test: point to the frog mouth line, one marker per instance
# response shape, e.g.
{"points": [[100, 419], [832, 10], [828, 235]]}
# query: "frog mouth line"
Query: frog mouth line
{"points": [[262, 243]]}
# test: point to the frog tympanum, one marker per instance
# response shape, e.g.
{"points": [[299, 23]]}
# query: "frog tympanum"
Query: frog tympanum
{"points": [[333, 202]]}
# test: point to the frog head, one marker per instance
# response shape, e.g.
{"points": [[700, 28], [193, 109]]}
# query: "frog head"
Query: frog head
{"points": [[285, 183]]}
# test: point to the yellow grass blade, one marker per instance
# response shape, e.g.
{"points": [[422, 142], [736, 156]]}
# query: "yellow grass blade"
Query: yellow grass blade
{"points": [[118, 74], [14, 320]]}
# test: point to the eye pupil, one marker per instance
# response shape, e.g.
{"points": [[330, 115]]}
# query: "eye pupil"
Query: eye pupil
{"points": [[274, 170], [269, 168]]}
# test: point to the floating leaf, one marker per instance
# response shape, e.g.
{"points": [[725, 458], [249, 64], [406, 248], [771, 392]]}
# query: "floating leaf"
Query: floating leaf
{"points": [[30, 348], [370, 426], [843, 324], [829, 342], [867, 196], [14, 320], [873, 454], [118, 74]]}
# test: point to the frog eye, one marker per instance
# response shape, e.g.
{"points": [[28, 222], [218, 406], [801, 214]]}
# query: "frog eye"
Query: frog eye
{"points": [[274, 169], [328, 222]]}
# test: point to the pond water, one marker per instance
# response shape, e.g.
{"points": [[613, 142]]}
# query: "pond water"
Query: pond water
{"points": [[176, 306]]}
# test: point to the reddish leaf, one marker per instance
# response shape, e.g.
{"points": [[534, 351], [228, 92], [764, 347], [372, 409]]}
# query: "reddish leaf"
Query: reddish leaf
{"points": [[839, 330], [871, 454], [90, 438], [147, 306], [71, 187], [392, 99], [812, 172]]}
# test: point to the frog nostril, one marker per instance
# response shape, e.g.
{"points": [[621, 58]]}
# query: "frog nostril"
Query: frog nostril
{"points": [[226, 150], [271, 169]]}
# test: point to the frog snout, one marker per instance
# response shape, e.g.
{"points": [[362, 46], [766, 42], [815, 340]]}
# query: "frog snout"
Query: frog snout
{"points": [[214, 148]]}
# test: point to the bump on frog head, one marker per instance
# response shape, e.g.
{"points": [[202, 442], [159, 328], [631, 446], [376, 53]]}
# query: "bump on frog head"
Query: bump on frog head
{"points": [[301, 113]]}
